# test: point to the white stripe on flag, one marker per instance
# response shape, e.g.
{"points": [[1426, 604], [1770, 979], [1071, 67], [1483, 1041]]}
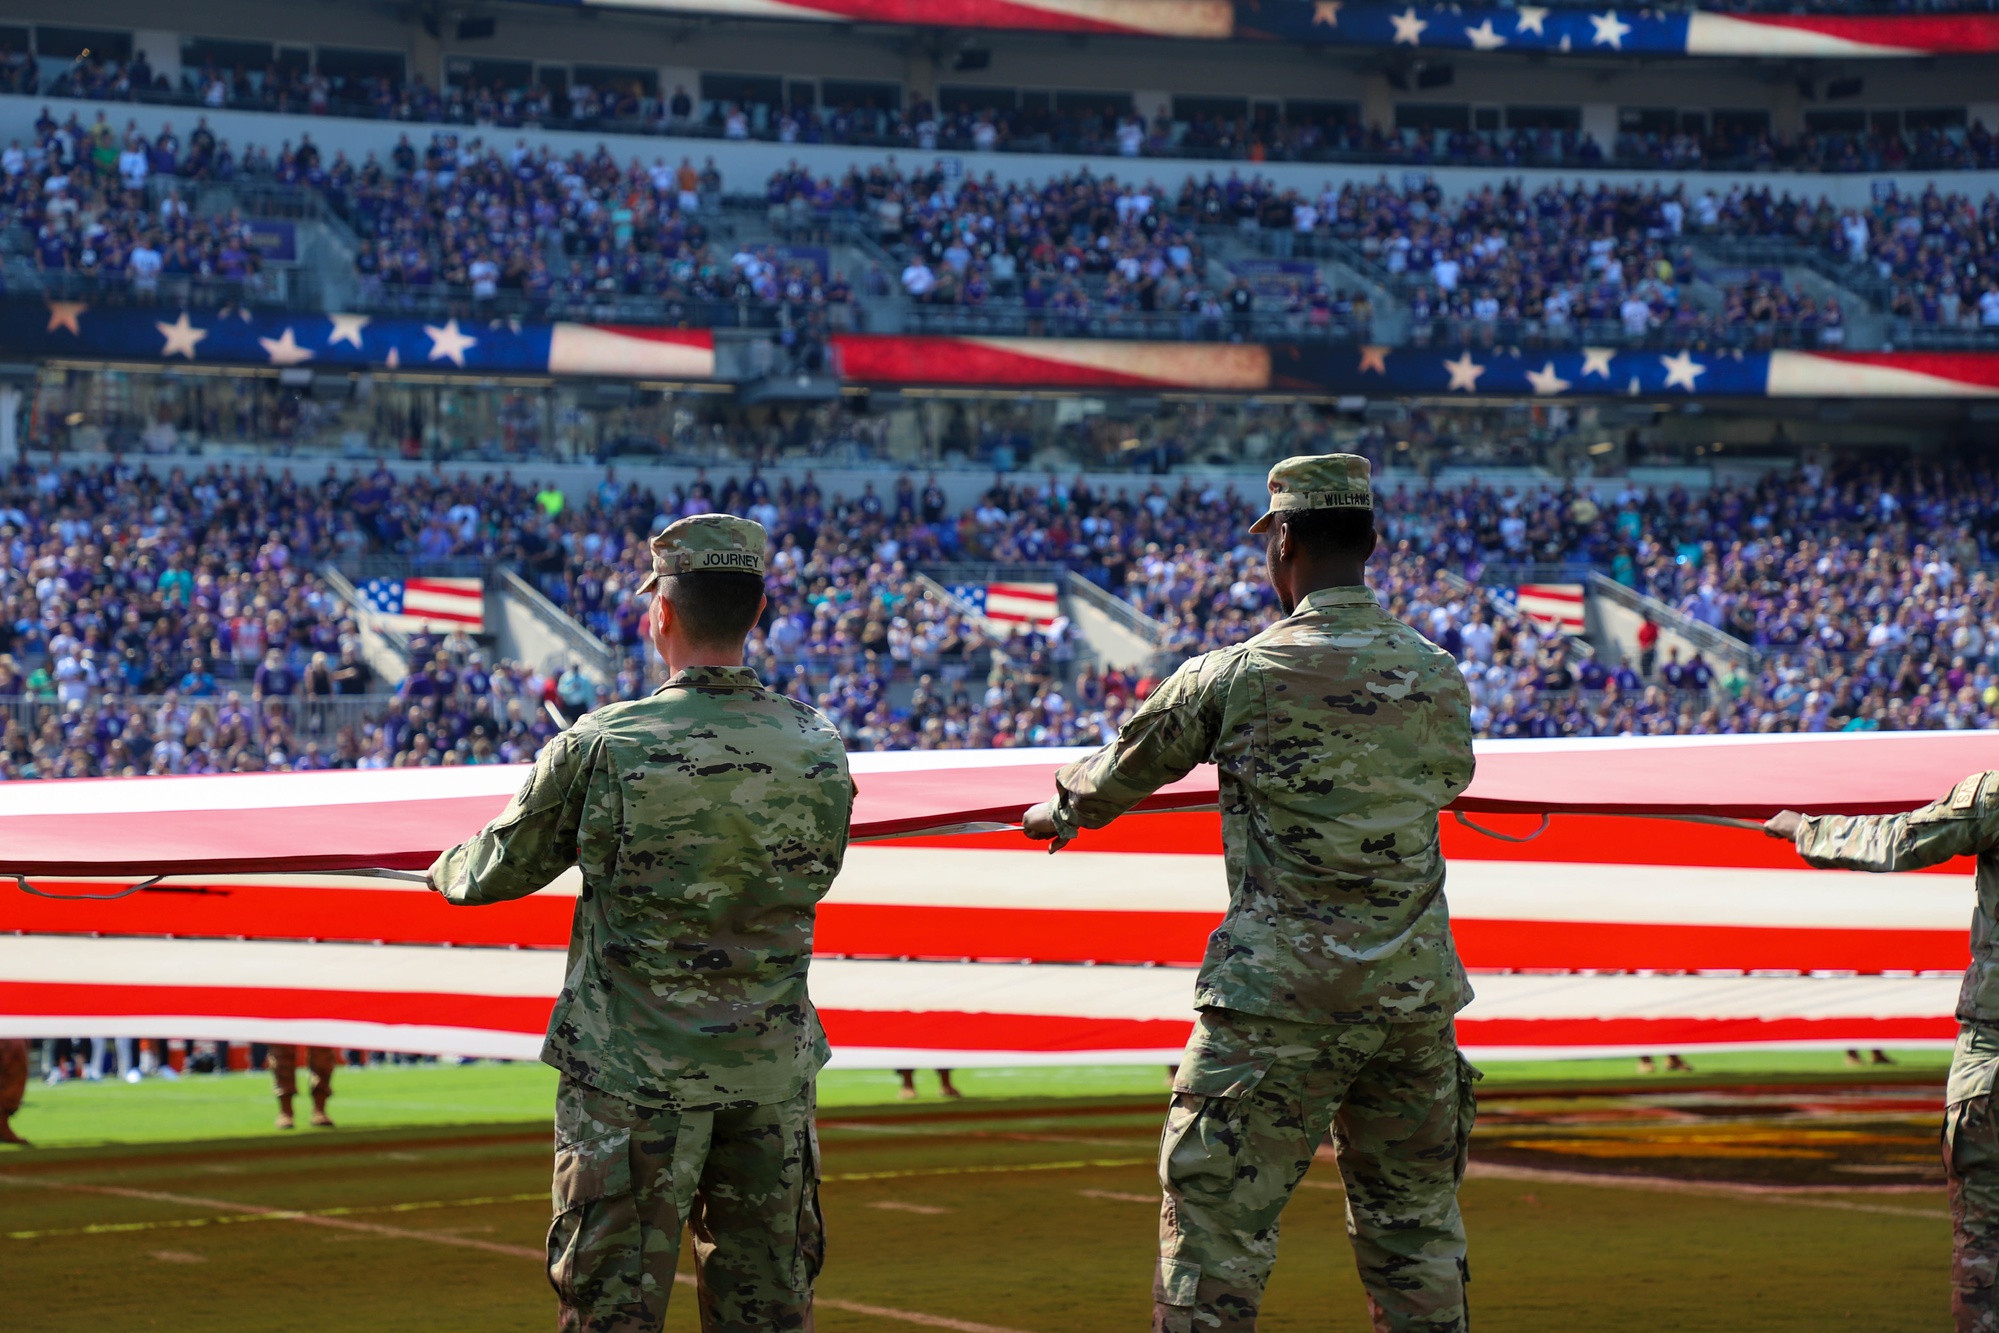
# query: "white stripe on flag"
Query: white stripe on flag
{"points": [[1021, 603]]}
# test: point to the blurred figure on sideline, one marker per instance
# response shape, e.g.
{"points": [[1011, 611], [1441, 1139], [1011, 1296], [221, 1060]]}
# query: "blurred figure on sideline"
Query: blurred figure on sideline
{"points": [[13, 1086], [908, 1092], [284, 1075]]}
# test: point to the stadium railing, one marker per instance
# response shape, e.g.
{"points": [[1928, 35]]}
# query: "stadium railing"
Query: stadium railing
{"points": [[1704, 637], [575, 638]]}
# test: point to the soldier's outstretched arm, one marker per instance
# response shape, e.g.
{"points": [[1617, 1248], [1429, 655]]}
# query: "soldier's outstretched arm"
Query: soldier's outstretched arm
{"points": [[533, 840], [1170, 733], [1965, 822]]}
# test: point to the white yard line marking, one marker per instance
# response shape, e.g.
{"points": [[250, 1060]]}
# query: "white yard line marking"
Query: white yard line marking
{"points": [[1120, 1197], [246, 1211], [916, 1317], [1720, 1189], [897, 1206], [179, 1257]]}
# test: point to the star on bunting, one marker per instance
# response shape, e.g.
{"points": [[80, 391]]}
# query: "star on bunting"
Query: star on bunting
{"points": [[284, 349], [1464, 373], [347, 329], [448, 344], [1545, 380], [181, 336], [1682, 371], [1610, 30]]}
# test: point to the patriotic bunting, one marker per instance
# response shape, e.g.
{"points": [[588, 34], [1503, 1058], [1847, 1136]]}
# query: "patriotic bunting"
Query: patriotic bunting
{"points": [[1559, 30], [346, 342]]}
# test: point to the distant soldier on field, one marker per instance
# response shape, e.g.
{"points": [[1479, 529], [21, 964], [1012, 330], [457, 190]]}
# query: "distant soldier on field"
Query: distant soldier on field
{"points": [[1327, 994], [13, 1085], [708, 820], [1964, 823], [284, 1078]]}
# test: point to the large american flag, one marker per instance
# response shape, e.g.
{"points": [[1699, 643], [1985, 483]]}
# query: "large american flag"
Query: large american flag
{"points": [[411, 604], [1012, 606], [1609, 934]]}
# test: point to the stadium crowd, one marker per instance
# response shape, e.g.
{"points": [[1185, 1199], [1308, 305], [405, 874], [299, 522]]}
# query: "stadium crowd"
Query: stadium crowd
{"points": [[157, 623], [531, 227], [1108, 124], [524, 225]]}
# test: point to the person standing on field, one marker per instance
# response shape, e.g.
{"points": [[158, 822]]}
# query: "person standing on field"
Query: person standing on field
{"points": [[284, 1079], [708, 820], [13, 1086], [1964, 823], [1328, 992]]}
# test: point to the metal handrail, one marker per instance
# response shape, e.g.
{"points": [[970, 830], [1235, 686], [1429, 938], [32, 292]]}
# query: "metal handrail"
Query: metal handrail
{"points": [[1116, 608], [563, 625], [1702, 635]]}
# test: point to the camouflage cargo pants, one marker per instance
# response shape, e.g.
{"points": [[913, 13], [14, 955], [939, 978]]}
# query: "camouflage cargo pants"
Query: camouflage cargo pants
{"points": [[628, 1178], [1971, 1164], [1251, 1105]]}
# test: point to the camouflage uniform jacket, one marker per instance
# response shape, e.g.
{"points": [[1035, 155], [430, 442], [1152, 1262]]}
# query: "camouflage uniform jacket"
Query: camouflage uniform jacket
{"points": [[1964, 823], [1339, 733], [708, 819]]}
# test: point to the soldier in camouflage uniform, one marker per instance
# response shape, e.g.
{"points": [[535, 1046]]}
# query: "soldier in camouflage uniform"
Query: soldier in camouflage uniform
{"points": [[1964, 823], [708, 819], [1327, 993]]}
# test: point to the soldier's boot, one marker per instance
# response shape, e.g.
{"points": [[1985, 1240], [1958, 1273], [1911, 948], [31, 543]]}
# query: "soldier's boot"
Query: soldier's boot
{"points": [[1880, 1057], [1218, 1308], [1677, 1065], [320, 1120], [944, 1081], [285, 1119], [7, 1134], [908, 1092]]}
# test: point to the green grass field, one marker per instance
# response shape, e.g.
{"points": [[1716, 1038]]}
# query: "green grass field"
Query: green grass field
{"points": [[1028, 1208], [392, 1096]]}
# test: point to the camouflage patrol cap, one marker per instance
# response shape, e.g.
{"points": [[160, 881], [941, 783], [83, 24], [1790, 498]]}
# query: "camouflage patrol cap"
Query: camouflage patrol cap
{"points": [[707, 543], [1317, 481]]}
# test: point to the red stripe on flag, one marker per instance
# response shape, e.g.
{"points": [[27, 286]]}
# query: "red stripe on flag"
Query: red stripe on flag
{"points": [[1952, 34]]}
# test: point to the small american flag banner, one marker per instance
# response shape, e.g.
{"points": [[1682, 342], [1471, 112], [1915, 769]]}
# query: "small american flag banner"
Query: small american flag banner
{"points": [[1012, 605], [411, 604], [1552, 604]]}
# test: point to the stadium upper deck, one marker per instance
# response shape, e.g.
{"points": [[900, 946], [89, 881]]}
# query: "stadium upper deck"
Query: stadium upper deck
{"points": [[891, 202], [1434, 70]]}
